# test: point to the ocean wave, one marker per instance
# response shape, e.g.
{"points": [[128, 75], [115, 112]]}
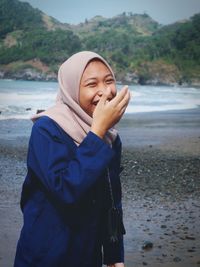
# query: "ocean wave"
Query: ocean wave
{"points": [[20, 100]]}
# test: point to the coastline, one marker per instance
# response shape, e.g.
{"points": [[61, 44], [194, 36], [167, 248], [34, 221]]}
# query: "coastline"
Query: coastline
{"points": [[160, 185], [177, 131], [42, 77]]}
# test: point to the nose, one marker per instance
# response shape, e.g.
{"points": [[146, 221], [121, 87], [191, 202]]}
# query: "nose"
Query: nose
{"points": [[107, 90]]}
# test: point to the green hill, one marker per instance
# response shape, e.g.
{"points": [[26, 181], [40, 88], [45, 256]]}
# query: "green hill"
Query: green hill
{"points": [[33, 45]]}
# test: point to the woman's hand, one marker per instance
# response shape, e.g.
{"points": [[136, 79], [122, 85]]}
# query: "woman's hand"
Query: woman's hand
{"points": [[117, 265], [107, 114]]}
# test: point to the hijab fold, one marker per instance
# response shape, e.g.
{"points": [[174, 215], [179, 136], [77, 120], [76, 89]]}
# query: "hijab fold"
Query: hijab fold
{"points": [[67, 112]]}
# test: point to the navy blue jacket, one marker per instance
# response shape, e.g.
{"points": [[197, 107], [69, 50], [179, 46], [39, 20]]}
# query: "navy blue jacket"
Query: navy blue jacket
{"points": [[64, 200]]}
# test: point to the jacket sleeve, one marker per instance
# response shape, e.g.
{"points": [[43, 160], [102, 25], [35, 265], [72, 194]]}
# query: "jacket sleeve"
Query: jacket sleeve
{"points": [[64, 176], [114, 252]]}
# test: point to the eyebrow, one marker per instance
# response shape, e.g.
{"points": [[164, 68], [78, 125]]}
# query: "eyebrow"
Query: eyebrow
{"points": [[94, 78]]}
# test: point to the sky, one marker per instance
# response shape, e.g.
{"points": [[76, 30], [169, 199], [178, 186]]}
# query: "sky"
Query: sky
{"points": [[76, 11]]}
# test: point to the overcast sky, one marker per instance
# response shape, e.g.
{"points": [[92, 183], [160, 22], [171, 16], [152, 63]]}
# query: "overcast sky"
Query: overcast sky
{"points": [[76, 11]]}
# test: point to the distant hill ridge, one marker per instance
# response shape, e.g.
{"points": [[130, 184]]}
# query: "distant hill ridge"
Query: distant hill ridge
{"points": [[33, 45]]}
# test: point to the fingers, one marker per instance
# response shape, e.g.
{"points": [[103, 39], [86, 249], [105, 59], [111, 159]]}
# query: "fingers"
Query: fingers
{"points": [[106, 96], [124, 102], [120, 96], [107, 112], [123, 96], [103, 99]]}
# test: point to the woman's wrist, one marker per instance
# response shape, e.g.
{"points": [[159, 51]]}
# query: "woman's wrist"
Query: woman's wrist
{"points": [[121, 264], [98, 132]]}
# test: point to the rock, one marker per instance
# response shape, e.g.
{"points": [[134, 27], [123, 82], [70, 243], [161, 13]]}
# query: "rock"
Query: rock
{"points": [[191, 250], [29, 74], [2, 74], [190, 237], [39, 111], [147, 245], [131, 78], [176, 259], [27, 109]]}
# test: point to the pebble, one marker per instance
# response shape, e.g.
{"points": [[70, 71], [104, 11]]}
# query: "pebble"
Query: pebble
{"points": [[190, 237], [177, 259], [147, 245], [39, 111], [191, 250]]}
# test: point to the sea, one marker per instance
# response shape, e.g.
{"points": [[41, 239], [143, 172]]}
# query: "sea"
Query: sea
{"points": [[22, 99]]}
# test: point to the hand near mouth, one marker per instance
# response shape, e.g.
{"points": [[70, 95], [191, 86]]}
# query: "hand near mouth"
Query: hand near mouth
{"points": [[108, 112]]}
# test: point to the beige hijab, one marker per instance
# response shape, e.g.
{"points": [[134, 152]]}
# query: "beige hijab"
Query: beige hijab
{"points": [[67, 112]]}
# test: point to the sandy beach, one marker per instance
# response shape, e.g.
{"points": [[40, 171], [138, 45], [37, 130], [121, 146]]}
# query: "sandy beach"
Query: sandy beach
{"points": [[160, 183]]}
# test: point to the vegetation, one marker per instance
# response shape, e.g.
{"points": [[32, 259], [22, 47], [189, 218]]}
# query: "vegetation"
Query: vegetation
{"points": [[133, 44], [49, 47], [17, 15]]}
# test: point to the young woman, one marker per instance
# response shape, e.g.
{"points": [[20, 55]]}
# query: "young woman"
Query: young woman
{"points": [[71, 197]]}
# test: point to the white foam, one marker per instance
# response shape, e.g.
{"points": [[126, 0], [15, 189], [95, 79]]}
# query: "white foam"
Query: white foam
{"points": [[137, 109], [18, 96]]}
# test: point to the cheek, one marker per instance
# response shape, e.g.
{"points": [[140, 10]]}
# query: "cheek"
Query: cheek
{"points": [[89, 95], [86, 97], [113, 89], [83, 95]]}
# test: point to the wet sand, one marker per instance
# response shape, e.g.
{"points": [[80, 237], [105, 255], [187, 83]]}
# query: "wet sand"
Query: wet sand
{"points": [[160, 183], [161, 188], [161, 200]]}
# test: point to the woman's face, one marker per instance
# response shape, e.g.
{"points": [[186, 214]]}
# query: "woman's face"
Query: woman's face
{"points": [[96, 80]]}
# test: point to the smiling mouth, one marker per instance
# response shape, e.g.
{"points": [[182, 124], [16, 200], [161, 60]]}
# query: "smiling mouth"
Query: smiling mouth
{"points": [[96, 102]]}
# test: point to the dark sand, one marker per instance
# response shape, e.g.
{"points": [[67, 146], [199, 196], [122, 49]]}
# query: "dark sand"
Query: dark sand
{"points": [[161, 187]]}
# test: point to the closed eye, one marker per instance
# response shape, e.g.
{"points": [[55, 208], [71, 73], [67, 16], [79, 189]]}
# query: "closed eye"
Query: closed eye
{"points": [[91, 84], [109, 81]]}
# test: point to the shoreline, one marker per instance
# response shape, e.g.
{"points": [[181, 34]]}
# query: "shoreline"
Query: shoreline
{"points": [[160, 186], [53, 79]]}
